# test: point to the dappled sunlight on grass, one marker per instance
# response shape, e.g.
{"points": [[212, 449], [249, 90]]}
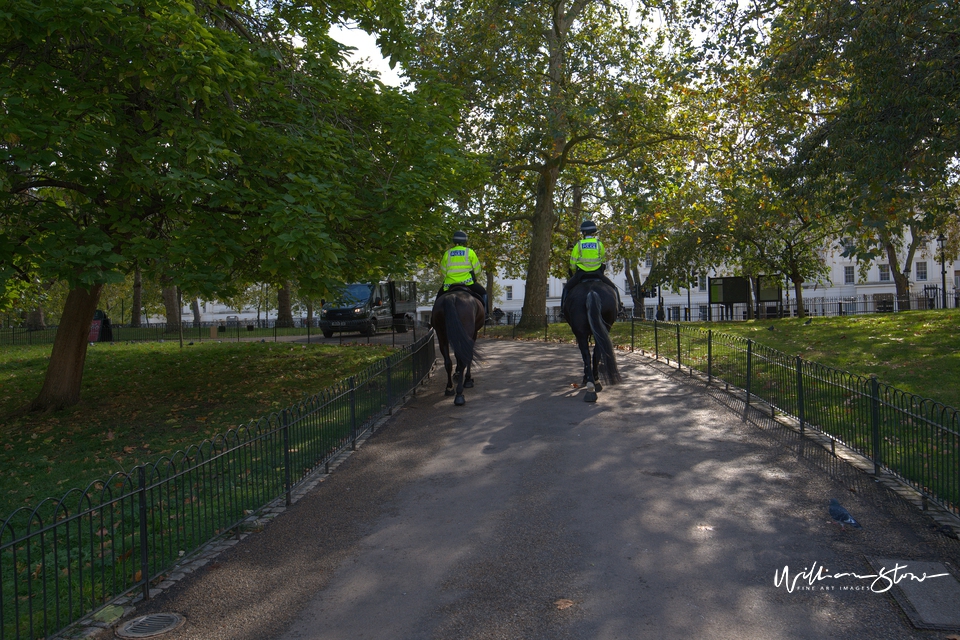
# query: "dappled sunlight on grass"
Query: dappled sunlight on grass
{"points": [[146, 400]]}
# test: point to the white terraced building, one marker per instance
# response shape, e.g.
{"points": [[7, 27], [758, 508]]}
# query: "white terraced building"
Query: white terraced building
{"points": [[842, 289]]}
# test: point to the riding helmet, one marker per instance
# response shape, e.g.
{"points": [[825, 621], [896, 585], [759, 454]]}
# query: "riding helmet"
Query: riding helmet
{"points": [[587, 227], [460, 237]]}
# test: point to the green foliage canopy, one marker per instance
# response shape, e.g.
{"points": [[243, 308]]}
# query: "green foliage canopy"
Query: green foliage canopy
{"points": [[212, 142]]}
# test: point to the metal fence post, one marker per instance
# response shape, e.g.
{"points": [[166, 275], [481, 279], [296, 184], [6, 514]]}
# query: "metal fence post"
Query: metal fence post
{"points": [[389, 386], [875, 420], [656, 341], [749, 363], [709, 356], [144, 556], [633, 323], [285, 421], [413, 372], [800, 412], [679, 366], [353, 413]]}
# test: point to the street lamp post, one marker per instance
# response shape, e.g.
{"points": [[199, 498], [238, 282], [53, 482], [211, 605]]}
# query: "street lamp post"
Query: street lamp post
{"points": [[943, 270]]}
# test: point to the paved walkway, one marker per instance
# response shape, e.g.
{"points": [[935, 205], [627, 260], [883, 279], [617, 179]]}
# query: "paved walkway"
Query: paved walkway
{"points": [[657, 512]]}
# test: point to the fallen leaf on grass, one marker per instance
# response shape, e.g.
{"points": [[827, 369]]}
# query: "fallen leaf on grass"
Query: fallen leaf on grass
{"points": [[563, 603]]}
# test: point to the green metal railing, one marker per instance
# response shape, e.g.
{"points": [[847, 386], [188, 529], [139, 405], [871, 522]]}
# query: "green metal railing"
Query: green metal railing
{"points": [[67, 558], [914, 438]]}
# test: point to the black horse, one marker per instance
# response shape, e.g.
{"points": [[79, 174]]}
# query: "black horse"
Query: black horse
{"points": [[591, 309], [457, 317]]}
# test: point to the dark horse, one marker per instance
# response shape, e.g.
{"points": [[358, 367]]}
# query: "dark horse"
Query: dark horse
{"points": [[591, 309], [457, 317]]}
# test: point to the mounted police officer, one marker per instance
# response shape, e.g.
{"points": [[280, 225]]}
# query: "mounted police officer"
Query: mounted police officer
{"points": [[586, 258], [459, 265]]}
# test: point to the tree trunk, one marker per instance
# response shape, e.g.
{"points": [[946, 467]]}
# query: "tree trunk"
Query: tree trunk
{"points": [[171, 309], [35, 321], [798, 294], [195, 308], [61, 385], [538, 268], [137, 299], [284, 306], [309, 313], [490, 284], [900, 279]]}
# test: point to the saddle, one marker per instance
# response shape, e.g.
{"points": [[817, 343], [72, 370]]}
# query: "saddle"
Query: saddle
{"points": [[462, 287]]}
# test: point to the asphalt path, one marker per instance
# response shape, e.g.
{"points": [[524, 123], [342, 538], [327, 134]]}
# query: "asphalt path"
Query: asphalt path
{"points": [[660, 511]]}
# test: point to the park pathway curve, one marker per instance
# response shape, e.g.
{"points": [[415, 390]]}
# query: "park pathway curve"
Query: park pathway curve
{"points": [[658, 512]]}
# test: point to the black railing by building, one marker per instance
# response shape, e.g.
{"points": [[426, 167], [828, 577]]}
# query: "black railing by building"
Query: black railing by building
{"points": [[820, 306], [69, 557], [914, 438]]}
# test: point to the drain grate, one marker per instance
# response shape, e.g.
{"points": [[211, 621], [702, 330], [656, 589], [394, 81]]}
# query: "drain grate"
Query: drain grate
{"points": [[154, 624]]}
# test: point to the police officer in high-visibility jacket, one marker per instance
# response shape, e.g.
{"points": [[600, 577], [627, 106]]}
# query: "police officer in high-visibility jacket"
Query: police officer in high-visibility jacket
{"points": [[459, 265], [587, 257]]}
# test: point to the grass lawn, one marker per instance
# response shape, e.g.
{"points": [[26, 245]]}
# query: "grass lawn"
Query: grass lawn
{"points": [[143, 401], [916, 351]]}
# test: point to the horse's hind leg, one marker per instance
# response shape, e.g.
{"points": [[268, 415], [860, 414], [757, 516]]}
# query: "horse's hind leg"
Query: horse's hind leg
{"points": [[460, 400], [589, 382], [448, 365], [596, 368], [468, 377]]}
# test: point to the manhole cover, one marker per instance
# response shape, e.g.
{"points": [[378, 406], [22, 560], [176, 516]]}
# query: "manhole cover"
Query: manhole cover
{"points": [[154, 624]]}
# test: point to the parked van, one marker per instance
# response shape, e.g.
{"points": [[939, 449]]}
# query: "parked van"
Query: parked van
{"points": [[370, 307]]}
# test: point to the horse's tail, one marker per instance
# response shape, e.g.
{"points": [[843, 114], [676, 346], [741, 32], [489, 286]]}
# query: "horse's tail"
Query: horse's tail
{"points": [[601, 337], [457, 334]]}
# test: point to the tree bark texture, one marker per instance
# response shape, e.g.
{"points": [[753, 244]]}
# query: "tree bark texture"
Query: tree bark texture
{"points": [[538, 268], [284, 306], [61, 385], [171, 309], [35, 320], [137, 299], [195, 308]]}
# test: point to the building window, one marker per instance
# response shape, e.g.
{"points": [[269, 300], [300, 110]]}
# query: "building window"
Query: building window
{"points": [[921, 271], [674, 314], [704, 312], [956, 279], [649, 262], [509, 292], [849, 277], [701, 283], [884, 272]]}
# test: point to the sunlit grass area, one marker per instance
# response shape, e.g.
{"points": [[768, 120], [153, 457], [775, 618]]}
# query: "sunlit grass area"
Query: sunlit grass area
{"points": [[142, 401]]}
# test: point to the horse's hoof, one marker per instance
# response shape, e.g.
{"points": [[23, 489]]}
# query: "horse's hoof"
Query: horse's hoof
{"points": [[590, 397], [591, 387], [460, 401], [598, 387], [468, 384], [449, 392]]}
